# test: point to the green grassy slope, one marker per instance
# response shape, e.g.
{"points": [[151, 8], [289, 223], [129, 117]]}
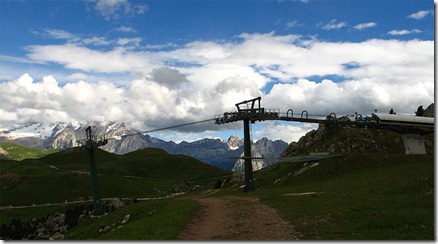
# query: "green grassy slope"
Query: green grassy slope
{"points": [[369, 192], [357, 196], [148, 162], [17, 152], [64, 176], [149, 220]]}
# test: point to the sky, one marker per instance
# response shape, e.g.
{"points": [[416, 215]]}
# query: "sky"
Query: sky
{"points": [[153, 64]]}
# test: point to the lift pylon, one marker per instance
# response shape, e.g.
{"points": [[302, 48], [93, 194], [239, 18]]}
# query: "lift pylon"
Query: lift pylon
{"points": [[248, 111], [403, 124], [90, 146]]}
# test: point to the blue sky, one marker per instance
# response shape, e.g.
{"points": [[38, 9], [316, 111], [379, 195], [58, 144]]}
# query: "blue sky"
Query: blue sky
{"points": [[158, 63]]}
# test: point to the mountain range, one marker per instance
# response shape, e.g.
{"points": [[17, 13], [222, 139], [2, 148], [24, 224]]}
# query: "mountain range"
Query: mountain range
{"points": [[221, 153]]}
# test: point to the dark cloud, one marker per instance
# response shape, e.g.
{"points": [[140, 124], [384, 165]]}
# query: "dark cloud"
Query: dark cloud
{"points": [[169, 77]]}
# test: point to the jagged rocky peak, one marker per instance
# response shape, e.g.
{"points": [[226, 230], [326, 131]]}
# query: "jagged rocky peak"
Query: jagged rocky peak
{"points": [[234, 142], [58, 126], [74, 135]]}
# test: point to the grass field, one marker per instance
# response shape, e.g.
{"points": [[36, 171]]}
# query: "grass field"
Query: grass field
{"points": [[355, 196], [149, 220]]}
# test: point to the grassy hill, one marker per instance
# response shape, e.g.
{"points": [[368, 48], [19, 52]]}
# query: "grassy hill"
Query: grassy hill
{"points": [[16, 152], [64, 176], [356, 196]]}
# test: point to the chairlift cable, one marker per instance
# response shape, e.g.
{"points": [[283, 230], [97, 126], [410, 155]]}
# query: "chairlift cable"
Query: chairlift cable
{"points": [[165, 128]]}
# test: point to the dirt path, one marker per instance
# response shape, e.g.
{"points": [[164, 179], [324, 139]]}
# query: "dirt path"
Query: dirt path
{"points": [[236, 218]]}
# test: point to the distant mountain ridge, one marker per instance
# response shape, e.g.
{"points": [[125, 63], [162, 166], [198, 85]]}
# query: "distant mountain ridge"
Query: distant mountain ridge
{"points": [[221, 153]]}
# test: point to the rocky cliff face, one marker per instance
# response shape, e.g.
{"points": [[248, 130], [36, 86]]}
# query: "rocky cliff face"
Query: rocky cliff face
{"points": [[268, 149], [212, 151]]}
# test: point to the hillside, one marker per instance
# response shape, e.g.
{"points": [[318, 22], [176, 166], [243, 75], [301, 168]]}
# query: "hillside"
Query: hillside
{"points": [[14, 151], [356, 196], [145, 173], [345, 139]]}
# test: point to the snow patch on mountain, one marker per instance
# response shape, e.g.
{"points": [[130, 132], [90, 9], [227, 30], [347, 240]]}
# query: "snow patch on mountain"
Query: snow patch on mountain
{"points": [[34, 129]]}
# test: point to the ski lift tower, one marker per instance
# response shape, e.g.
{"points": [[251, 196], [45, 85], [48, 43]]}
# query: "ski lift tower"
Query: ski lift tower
{"points": [[248, 111], [91, 145]]}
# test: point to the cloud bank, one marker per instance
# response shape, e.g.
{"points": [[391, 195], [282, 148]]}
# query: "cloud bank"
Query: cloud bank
{"points": [[203, 78]]}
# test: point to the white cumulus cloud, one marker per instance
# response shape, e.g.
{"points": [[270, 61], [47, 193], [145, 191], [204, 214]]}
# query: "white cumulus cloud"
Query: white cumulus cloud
{"points": [[334, 24], [281, 131], [365, 25], [77, 57], [403, 32], [201, 79], [115, 9], [420, 14]]}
